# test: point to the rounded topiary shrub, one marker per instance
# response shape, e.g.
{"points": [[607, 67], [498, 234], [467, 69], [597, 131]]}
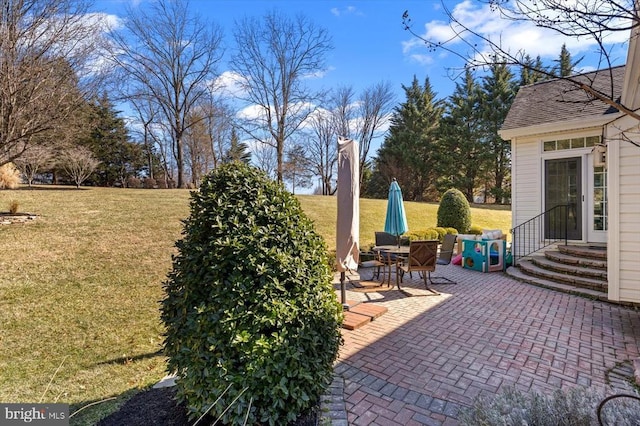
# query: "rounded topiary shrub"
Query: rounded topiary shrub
{"points": [[454, 211], [250, 311]]}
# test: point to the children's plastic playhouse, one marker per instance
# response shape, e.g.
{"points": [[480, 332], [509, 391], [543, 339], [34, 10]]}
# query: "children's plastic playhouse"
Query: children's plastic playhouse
{"points": [[484, 255]]}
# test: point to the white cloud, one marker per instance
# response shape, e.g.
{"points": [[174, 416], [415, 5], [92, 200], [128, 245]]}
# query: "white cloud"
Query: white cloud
{"points": [[512, 36], [112, 22], [422, 59], [319, 74], [251, 112], [229, 84], [345, 11]]}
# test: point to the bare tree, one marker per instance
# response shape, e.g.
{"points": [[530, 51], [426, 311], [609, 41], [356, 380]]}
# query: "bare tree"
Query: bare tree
{"points": [[208, 140], [78, 162], [34, 160], [145, 116], [297, 168], [588, 20], [275, 54], [363, 118], [48, 53], [322, 146], [217, 123], [169, 55], [197, 145], [342, 108], [373, 113], [264, 157]]}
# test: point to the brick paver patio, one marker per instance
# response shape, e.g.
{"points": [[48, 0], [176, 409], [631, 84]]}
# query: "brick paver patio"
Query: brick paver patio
{"points": [[430, 356]]}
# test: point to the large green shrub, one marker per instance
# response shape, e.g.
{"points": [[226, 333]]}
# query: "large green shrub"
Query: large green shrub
{"points": [[454, 211], [249, 303]]}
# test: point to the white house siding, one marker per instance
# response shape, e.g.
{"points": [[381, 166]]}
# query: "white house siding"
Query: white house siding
{"points": [[525, 185], [624, 219]]}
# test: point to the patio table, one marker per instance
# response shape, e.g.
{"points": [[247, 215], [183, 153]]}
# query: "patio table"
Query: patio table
{"points": [[391, 250]]}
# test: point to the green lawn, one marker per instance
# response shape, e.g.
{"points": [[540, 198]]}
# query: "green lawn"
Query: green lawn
{"points": [[79, 287], [323, 210]]}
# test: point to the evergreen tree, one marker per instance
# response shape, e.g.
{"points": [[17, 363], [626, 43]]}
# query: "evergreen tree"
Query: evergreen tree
{"points": [[532, 71], [109, 142], [462, 153], [538, 75], [498, 92], [238, 151], [408, 152], [566, 66]]}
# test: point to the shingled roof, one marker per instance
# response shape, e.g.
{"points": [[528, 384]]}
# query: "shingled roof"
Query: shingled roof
{"points": [[559, 100]]}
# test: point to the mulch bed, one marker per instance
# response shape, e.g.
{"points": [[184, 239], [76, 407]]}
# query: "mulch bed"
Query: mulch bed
{"points": [[150, 407], [158, 407]]}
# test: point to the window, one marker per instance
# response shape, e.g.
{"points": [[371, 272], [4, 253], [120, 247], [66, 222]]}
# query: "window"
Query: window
{"points": [[599, 199], [573, 143]]}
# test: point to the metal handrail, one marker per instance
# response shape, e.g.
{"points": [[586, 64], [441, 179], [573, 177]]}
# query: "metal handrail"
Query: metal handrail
{"points": [[547, 228]]}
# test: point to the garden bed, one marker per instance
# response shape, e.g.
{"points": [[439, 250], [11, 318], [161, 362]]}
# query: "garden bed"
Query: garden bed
{"points": [[7, 218]]}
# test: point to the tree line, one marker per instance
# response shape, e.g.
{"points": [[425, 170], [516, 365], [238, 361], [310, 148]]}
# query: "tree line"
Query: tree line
{"points": [[58, 113], [436, 144]]}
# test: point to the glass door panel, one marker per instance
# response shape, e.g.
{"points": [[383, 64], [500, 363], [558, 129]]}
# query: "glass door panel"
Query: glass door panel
{"points": [[563, 187]]}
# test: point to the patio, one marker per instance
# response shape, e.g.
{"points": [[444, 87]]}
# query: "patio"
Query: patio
{"points": [[429, 356]]}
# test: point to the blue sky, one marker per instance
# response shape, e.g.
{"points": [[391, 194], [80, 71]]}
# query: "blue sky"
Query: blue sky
{"points": [[370, 44]]}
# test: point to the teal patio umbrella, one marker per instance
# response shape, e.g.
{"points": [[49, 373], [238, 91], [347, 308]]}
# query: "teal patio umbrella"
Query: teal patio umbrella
{"points": [[396, 220]]}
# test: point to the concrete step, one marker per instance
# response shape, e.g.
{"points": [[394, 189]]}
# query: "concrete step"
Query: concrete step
{"points": [[584, 251], [569, 259], [530, 268], [549, 262], [519, 275]]}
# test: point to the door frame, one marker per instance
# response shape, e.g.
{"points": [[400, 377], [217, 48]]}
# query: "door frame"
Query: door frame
{"points": [[581, 186]]}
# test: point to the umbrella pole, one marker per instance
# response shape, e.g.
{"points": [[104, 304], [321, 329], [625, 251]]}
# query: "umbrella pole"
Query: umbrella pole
{"points": [[343, 293]]}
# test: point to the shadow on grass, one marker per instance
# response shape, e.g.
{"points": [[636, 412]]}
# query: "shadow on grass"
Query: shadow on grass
{"points": [[504, 207], [45, 187], [129, 359]]}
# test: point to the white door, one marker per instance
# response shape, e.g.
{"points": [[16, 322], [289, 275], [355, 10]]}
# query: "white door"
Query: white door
{"points": [[596, 206]]}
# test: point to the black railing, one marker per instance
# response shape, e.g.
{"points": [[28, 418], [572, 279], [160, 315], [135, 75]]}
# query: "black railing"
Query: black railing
{"points": [[542, 231]]}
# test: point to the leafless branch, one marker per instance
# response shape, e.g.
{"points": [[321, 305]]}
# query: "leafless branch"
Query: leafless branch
{"points": [[274, 56], [169, 55], [596, 19]]}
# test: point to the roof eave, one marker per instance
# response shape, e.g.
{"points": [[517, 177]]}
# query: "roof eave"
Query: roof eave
{"points": [[561, 126]]}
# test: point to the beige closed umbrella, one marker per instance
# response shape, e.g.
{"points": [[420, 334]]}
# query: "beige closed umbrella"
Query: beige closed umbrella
{"points": [[348, 221]]}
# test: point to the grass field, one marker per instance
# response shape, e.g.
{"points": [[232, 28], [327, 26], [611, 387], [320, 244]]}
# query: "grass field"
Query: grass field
{"points": [[80, 286]]}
